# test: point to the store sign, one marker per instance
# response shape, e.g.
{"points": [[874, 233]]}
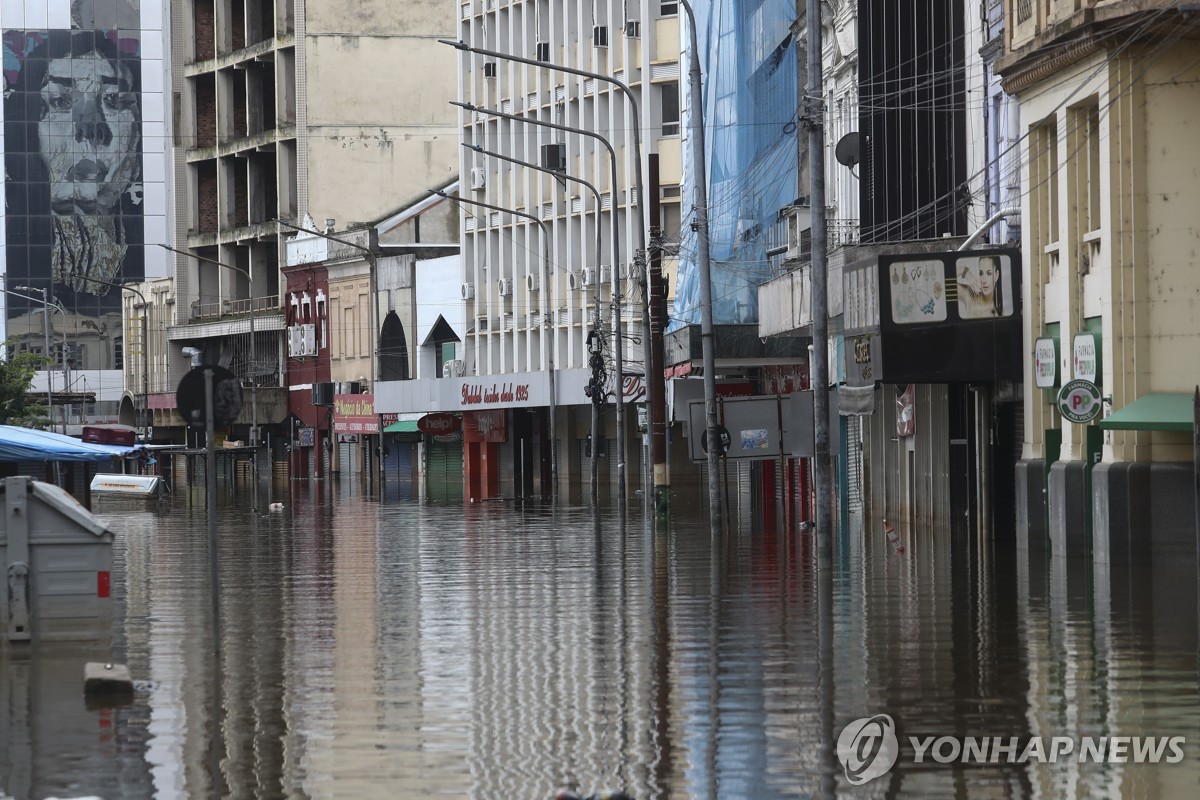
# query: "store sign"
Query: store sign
{"points": [[499, 393], [1084, 347], [438, 424], [1079, 401], [354, 413], [1045, 363]]}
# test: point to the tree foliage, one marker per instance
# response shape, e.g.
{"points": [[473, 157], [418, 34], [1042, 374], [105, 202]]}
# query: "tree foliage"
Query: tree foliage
{"points": [[16, 376]]}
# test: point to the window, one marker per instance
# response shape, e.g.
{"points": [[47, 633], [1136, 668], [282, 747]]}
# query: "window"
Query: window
{"points": [[669, 104], [668, 8]]}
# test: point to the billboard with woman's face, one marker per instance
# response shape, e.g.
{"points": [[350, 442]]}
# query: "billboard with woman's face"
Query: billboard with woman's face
{"points": [[73, 157]]}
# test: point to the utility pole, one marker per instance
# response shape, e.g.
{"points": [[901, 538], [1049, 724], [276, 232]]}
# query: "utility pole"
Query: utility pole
{"points": [[656, 389], [707, 333], [822, 462]]}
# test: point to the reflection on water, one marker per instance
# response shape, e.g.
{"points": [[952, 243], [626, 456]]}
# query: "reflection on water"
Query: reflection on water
{"points": [[391, 649]]}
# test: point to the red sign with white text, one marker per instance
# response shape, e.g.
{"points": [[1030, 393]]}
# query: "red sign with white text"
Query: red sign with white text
{"points": [[354, 413], [438, 424]]}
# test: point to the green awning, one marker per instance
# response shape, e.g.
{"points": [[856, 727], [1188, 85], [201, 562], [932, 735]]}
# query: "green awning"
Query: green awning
{"points": [[403, 426], [1157, 411]]}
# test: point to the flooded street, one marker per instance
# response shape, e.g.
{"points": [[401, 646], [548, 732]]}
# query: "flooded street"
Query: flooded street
{"points": [[391, 649]]}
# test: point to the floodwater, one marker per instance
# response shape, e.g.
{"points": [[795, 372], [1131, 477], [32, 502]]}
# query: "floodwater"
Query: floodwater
{"points": [[392, 649]]}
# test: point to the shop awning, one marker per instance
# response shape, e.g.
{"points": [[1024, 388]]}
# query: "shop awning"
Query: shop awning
{"points": [[403, 426], [29, 444], [1157, 411]]}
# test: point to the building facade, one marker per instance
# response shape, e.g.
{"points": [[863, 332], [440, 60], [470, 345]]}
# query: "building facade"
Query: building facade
{"points": [[283, 114], [545, 260], [1107, 96], [86, 186]]}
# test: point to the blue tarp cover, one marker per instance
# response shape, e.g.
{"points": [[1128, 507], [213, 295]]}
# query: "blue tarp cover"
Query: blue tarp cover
{"points": [[28, 444]]}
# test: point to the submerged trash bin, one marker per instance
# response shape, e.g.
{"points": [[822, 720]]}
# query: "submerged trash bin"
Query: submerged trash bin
{"points": [[57, 561]]}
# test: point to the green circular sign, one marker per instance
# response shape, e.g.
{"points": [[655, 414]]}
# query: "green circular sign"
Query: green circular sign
{"points": [[1079, 401]]}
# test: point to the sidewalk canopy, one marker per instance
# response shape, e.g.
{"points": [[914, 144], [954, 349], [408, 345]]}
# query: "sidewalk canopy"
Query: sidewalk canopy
{"points": [[1157, 411], [28, 444]]}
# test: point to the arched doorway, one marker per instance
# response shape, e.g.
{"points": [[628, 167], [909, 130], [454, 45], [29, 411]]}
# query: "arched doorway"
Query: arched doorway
{"points": [[393, 350]]}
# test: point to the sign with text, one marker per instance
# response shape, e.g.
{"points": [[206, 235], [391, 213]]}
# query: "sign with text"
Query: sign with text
{"points": [[1084, 356], [440, 424], [1045, 362], [1079, 401], [494, 393], [354, 413]]}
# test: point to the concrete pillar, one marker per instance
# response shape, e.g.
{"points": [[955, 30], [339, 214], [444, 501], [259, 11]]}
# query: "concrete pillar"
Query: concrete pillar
{"points": [[1031, 505], [1068, 510]]}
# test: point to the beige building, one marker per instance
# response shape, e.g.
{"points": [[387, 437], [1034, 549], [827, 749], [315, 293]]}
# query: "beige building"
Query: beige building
{"points": [[1110, 103], [337, 110]]}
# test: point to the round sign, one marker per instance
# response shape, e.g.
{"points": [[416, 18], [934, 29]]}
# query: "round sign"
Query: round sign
{"points": [[226, 392], [438, 424], [1079, 401], [722, 434]]}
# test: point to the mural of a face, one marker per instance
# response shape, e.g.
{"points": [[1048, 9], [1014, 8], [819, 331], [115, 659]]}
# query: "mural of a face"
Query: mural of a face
{"points": [[88, 134]]}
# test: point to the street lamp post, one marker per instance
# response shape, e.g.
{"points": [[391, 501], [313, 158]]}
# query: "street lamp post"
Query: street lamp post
{"points": [[659, 470], [595, 455], [618, 336], [700, 178], [249, 273], [46, 334], [145, 346], [547, 350]]}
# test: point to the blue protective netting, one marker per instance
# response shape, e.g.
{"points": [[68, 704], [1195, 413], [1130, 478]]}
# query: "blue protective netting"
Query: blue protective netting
{"points": [[748, 58]]}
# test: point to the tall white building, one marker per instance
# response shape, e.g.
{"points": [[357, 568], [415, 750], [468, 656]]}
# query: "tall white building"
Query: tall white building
{"points": [[538, 250]]}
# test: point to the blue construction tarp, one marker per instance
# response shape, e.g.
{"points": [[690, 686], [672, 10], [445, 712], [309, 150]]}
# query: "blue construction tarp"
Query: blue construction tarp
{"points": [[750, 89], [29, 444]]}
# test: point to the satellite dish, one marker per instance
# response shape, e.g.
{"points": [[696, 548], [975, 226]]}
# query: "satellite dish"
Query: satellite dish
{"points": [[848, 150]]}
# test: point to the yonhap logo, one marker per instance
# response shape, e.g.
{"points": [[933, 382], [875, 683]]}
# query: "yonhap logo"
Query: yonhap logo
{"points": [[868, 748]]}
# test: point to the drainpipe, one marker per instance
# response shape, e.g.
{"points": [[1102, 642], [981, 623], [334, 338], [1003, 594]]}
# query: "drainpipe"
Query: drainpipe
{"points": [[985, 227]]}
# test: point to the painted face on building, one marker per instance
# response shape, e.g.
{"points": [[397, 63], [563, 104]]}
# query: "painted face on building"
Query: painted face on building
{"points": [[88, 134]]}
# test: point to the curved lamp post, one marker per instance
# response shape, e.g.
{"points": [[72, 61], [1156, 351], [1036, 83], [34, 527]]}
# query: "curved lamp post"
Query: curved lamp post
{"points": [[618, 329], [545, 282], [595, 457]]}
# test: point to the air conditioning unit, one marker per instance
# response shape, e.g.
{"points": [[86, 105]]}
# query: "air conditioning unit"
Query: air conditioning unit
{"points": [[633, 29], [541, 51], [799, 220], [468, 291], [574, 281], [600, 36], [632, 272], [504, 287], [322, 394], [532, 282], [554, 156], [455, 368], [489, 69], [478, 178], [605, 274], [589, 276], [349, 387], [309, 347]]}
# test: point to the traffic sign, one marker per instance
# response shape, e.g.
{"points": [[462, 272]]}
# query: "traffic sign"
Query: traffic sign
{"points": [[1079, 401], [226, 392]]}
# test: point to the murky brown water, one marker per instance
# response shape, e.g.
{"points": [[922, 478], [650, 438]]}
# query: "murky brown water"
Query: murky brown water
{"points": [[498, 651]]}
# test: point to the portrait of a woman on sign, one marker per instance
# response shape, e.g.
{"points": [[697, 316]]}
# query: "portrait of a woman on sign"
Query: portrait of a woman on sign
{"points": [[73, 155], [984, 287]]}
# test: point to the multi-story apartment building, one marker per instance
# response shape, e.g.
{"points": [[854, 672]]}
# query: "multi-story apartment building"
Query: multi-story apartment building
{"points": [[539, 252], [334, 110], [1108, 106]]}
